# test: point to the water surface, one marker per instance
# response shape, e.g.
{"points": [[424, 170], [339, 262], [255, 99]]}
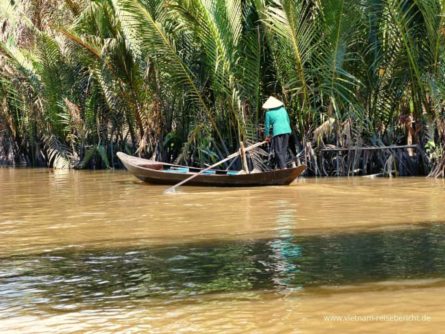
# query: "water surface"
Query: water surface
{"points": [[102, 252]]}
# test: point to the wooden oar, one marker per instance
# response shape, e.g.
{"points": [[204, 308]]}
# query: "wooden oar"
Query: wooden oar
{"points": [[234, 155]]}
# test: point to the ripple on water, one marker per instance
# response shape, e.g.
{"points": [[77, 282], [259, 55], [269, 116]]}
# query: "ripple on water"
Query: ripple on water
{"points": [[82, 279]]}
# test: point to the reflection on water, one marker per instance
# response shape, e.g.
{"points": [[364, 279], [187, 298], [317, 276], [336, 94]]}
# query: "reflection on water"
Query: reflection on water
{"points": [[70, 280], [101, 252]]}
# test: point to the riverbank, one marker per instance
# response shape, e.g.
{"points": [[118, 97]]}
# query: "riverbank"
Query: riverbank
{"points": [[394, 160]]}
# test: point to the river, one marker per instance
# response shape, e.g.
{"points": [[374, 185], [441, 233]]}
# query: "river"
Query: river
{"points": [[101, 252]]}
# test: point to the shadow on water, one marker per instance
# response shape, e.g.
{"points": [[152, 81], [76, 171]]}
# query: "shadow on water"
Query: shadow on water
{"points": [[288, 263]]}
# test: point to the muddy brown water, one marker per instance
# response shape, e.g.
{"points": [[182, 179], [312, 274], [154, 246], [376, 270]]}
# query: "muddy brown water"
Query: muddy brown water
{"points": [[101, 252]]}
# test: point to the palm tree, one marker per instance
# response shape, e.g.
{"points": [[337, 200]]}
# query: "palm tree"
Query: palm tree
{"points": [[184, 80]]}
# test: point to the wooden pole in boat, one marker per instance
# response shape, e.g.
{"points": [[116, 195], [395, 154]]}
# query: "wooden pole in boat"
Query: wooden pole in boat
{"points": [[234, 155], [244, 158]]}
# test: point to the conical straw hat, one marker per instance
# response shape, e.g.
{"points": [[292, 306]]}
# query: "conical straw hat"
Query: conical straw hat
{"points": [[272, 103]]}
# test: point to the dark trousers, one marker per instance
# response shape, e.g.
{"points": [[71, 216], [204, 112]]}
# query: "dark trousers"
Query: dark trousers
{"points": [[280, 144]]}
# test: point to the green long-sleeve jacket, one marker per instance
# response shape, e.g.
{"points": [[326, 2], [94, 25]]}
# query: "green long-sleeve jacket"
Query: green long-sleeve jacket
{"points": [[279, 120]]}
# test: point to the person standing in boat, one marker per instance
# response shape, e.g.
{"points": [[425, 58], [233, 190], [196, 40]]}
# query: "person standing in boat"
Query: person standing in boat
{"points": [[277, 118]]}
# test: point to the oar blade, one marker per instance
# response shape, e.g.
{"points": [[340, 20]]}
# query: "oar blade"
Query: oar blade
{"points": [[170, 191]]}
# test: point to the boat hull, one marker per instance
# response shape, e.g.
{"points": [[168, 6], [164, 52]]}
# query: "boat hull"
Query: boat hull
{"points": [[153, 172]]}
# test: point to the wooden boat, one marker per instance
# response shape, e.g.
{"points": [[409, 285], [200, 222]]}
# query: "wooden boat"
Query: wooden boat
{"points": [[163, 173]]}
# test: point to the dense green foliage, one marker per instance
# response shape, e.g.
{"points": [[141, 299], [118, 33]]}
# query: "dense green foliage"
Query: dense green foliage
{"points": [[185, 79]]}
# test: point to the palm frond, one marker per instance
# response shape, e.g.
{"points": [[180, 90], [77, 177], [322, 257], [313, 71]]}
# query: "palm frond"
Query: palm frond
{"points": [[147, 35]]}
